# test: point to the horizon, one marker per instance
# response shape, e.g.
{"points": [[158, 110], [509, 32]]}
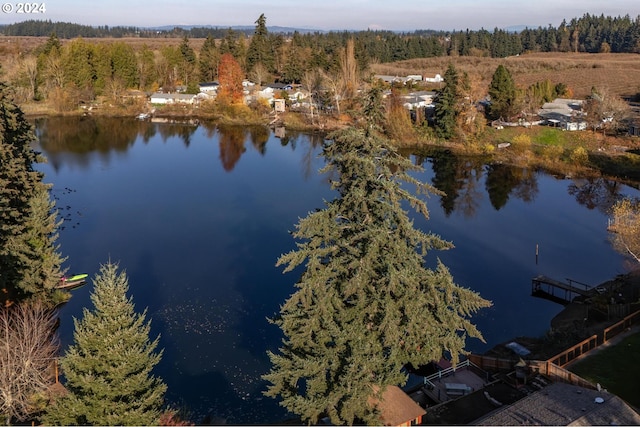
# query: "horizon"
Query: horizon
{"points": [[331, 15]]}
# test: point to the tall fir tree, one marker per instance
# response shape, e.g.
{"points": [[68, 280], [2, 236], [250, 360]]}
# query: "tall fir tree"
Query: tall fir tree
{"points": [[503, 94], [259, 51], [29, 258], [108, 368], [208, 60], [446, 101], [366, 305]]}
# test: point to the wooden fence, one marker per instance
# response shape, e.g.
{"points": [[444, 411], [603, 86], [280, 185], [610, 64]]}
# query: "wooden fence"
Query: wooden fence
{"points": [[595, 341], [559, 374], [575, 351], [553, 367]]}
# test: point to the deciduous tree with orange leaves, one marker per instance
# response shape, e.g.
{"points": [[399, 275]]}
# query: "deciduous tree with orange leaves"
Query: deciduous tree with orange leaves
{"points": [[230, 76]]}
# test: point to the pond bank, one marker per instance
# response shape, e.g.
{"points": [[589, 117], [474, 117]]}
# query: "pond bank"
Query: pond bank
{"points": [[579, 320]]}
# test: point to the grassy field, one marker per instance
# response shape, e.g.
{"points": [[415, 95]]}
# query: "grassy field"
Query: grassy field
{"points": [[616, 368], [618, 74]]}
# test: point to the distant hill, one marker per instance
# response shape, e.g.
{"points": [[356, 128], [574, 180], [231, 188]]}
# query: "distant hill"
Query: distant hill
{"points": [[239, 28], [65, 30]]}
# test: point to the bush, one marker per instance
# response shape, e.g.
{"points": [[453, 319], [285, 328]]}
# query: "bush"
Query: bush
{"points": [[488, 148], [579, 156], [521, 140]]}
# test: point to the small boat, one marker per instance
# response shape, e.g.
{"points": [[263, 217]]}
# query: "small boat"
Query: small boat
{"points": [[72, 282]]}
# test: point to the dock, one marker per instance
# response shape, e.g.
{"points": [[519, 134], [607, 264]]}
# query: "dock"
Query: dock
{"points": [[545, 287]]}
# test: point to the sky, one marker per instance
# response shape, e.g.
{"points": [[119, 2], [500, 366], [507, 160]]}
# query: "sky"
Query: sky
{"points": [[395, 15]]}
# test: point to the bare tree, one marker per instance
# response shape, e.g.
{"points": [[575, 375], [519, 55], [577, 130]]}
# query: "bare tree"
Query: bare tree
{"points": [[606, 111], [30, 69], [337, 86], [625, 228], [28, 349], [259, 74], [312, 82], [115, 88], [54, 72]]}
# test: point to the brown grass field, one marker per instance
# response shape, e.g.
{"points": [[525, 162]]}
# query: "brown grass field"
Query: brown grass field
{"points": [[616, 73]]}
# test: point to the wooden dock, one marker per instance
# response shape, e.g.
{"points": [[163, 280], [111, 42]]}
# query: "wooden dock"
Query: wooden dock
{"points": [[545, 287]]}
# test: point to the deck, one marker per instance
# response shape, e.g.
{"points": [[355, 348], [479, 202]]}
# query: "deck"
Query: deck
{"points": [[545, 287], [450, 384]]}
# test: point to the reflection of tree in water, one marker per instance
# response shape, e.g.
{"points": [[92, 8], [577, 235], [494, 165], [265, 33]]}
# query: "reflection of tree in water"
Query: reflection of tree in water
{"points": [[75, 138], [458, 178], [469, 173], [444, 165], [86, 134], [596, 193], [231, 145], [182, 131], [503, 180], [259, 137]]}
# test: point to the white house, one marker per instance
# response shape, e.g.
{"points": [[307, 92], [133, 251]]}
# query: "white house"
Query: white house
{"points": [[418, 99], [172, 98], [563, 113], [437, 79], [209, 88]]}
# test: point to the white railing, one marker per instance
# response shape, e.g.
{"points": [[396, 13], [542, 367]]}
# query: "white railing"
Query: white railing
{"points": [[446, 372]]}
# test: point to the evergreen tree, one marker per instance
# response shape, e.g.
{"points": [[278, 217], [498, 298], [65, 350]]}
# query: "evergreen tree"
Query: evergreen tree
{"points": [[146, 67], [446, 104], [108, 368], [187, 63], [124, 64], [208, 60], [259, 51], [365, 305], [29, 261], [502, 91]]}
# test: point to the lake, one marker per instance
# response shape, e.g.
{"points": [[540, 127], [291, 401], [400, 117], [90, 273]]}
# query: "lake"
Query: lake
{"points": [[198, 215]]}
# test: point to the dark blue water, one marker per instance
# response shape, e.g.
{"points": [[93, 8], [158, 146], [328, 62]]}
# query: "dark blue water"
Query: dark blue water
{"points": [[198, 216]]}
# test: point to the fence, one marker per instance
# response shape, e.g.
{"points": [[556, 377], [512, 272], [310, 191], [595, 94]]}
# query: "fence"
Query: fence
{"points": [[594, 341], [553, 367], [576, 351], [559, 374], [491, 363]]}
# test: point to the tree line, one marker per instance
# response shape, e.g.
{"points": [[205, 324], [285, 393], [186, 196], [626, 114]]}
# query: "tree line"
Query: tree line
{"points": [[589, 33]]}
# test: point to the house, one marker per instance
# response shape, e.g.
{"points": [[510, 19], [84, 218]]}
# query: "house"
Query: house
{"points": [[397, 408], [437, 79], [419, 99], [209, 88], [392, 79], [563, 113], [172, 98], [279, 86], [564, 404]]}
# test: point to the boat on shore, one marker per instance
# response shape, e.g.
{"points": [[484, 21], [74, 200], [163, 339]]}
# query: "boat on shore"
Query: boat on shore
{"points": [[72, 282]]}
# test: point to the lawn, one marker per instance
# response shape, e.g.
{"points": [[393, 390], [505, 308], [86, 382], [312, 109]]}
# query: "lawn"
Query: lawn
{"points": [[616, 368]]}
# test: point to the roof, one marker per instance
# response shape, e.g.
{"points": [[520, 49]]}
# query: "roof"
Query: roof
{"points": [[565, 404], [396, 407], [158, 95]]}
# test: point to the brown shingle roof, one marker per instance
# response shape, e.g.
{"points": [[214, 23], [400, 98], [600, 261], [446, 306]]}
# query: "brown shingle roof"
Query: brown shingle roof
{"points": [[396, 407]]}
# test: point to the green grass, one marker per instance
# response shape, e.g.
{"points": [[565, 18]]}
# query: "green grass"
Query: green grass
{"points": [[616, 368], [548, 136]]}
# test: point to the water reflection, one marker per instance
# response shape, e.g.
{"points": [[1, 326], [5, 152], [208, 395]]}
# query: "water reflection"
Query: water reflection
{"points": [[198, 215], [231, 145], [596, 193]]}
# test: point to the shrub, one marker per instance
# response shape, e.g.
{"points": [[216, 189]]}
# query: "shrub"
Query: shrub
{"points": [[579, 156]]}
